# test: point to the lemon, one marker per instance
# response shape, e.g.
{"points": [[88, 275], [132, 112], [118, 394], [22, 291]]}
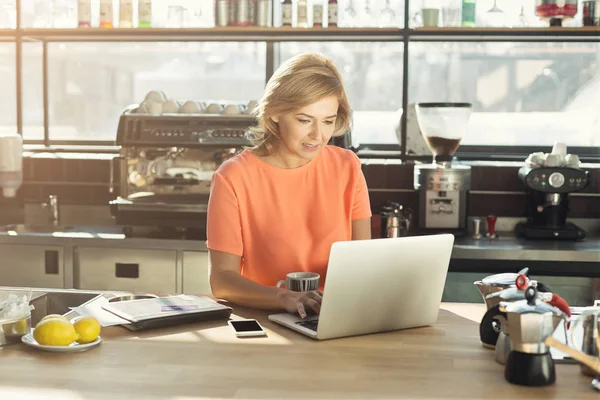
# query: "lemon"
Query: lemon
{"points": [[88, 329], [50, 316], [54, 332]]}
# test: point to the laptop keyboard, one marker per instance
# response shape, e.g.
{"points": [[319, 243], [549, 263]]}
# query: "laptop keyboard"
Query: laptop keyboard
{"points": [[312, 324]]}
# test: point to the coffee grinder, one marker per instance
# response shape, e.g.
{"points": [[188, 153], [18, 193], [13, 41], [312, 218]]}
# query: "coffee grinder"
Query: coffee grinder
{"points": [[443, 185]]}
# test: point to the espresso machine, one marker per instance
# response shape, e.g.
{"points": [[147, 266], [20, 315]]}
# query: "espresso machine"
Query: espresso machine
{"points": [[443, 185], [167, 160], [165, 167], [548, 186]]}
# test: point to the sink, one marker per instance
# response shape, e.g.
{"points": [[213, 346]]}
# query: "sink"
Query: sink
{"points": [[58, 303], [53, 301], [36, 228]]}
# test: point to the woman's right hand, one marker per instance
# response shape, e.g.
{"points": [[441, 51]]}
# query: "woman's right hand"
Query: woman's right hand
{"points": [[301, 302]]}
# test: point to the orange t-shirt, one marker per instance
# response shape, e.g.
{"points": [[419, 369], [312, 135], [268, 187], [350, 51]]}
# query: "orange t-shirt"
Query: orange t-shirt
{"points": [[285, 220]]}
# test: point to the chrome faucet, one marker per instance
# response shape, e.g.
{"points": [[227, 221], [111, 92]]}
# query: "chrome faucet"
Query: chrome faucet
{"points": [[53, 209]]}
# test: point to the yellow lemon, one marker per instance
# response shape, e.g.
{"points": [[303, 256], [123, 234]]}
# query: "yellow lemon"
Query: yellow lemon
{"points": [[51, 316], [54, 332], [88, 329]]}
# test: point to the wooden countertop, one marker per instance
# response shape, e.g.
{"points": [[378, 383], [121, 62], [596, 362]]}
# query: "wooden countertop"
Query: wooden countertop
{"points": [[206, 360]]}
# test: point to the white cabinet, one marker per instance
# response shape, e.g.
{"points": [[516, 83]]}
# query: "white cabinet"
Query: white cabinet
{"points": [[32, 266], [195, 273], [138, 270]]}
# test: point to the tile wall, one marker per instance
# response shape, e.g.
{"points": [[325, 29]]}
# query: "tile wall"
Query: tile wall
{"points": [[495, 189]]}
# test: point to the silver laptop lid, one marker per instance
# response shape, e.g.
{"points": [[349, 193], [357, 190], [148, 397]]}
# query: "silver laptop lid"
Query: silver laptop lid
{"points": [[384, 284]]}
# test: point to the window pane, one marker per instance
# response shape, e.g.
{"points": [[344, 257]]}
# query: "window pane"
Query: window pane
{"points": [[523, 93], [372, 74], [91, 83], [33, 104], [8, 100]]}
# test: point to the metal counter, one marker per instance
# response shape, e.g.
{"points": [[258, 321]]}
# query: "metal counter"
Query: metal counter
{"points": [[556, 258], [543, 257], [98, 237]]}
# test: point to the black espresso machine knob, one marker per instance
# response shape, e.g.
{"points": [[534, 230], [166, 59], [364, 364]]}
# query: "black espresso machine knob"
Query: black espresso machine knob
{"points": [[554, 179]]}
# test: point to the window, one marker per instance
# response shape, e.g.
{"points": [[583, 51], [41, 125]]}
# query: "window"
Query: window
{"points": [[8, 102], [90, 84], [527, 93], [523, 93], [372, 74]]}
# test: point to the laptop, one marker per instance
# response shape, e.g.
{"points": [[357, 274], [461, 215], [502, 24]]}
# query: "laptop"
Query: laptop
{"points": [[378, 285]]}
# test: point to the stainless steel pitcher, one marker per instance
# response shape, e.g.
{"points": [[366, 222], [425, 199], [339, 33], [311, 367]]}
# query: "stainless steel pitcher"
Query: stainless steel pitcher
{"points": [[496, 283], [396, 220], [589, 345]]}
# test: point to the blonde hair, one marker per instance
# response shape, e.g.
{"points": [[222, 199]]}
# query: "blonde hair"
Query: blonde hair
{"points": [[300, 81]]}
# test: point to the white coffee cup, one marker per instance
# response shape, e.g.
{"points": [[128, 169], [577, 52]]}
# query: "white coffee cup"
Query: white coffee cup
{"points": [[170, 107], [156, 96], [214, 108], [552, 160], [233, 109], [190, 107]]}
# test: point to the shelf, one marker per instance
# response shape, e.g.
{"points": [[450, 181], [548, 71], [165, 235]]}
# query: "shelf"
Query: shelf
{"points": [[585, 34], [232, 34], [7, 35], [288, 34]]}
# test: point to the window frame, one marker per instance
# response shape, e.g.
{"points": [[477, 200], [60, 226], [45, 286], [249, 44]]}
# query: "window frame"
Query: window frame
{"points": [[274, 36]]}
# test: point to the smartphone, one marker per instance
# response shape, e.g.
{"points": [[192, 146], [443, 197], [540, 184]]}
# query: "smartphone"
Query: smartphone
{"points": [[247, 328]]}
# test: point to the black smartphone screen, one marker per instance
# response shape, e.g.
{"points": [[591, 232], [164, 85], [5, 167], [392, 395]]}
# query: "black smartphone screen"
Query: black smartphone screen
{"points": [[246, 326]]}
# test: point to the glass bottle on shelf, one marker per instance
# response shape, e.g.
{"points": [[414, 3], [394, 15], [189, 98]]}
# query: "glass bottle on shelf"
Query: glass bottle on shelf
{"points": [[202, 14], [387, 16], [522, 21], [251, 14], [84, 14], [332, 13], [126, 14], [263, 13], [144, 13], [301, 20], [317, 14], [286, 12], [106, 14], [468, 14], [244, 13], [222, 12]]}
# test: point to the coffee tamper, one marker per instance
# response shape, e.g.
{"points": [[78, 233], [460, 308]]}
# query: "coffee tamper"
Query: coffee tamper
{"points": [[476, 228], [491, 223]]}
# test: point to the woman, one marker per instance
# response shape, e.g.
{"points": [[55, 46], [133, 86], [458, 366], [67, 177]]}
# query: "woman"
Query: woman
{"points": [[277, 207]]}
